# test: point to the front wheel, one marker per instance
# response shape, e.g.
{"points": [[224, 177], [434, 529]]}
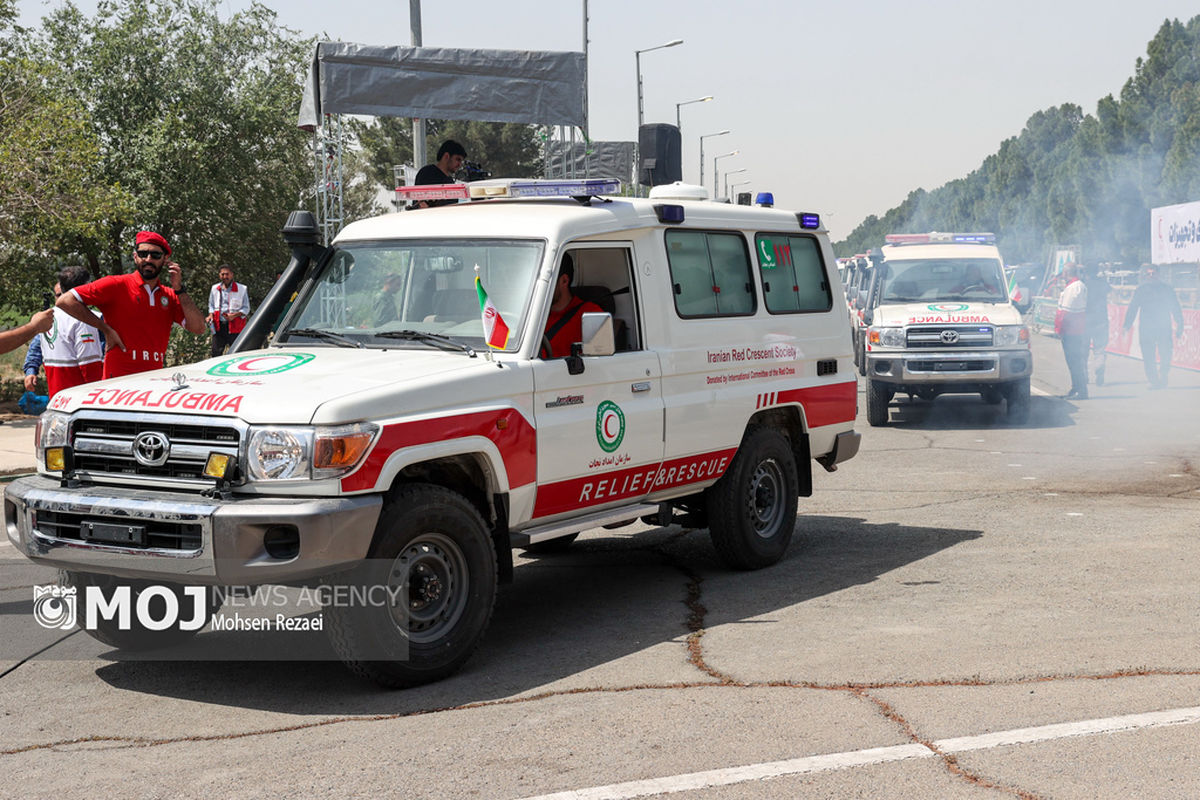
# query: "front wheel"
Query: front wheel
{"points": [[1017, 394], [752, 508], [878, 397], [419, 605]]}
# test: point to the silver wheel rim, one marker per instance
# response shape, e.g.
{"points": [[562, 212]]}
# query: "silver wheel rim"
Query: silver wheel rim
{"points": [[765, 498], [429, 584]]}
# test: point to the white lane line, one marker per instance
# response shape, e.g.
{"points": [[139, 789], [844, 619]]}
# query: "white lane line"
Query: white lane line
{"points": [[875, 755]]}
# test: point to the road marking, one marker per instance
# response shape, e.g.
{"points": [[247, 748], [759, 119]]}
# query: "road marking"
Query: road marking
{"points": [[876, 755]]}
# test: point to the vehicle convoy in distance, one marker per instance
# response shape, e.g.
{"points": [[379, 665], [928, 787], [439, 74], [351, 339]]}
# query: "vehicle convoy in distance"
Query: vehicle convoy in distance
{"points": [[407, 423], [939, 320]]}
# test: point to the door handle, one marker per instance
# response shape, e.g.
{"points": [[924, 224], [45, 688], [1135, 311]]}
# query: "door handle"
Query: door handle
{"points": [[641, 386]]}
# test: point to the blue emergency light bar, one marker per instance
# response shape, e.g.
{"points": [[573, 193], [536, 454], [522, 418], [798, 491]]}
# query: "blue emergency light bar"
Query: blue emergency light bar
{"points": [[809, 221]]}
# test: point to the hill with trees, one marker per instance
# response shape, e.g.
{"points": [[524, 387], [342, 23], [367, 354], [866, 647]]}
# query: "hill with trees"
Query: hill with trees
{"points": [[1076, 178]]}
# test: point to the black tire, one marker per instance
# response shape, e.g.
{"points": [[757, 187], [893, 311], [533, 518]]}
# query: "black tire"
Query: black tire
{"points": [[433, 552], [878, 397], [752, 508], [1017, 394], [551, 546], [138, 637]]}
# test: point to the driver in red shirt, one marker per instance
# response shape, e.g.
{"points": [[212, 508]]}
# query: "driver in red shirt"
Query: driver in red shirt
{"points": [[564, 327], [138, 308]]}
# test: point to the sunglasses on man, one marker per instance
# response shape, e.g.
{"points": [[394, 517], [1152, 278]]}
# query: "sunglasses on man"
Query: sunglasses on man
{"points": [[149, 254]]}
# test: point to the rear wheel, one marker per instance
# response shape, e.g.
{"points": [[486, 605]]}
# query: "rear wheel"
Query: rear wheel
{"points": [[752, 508], [425, 594], [878, 397]]}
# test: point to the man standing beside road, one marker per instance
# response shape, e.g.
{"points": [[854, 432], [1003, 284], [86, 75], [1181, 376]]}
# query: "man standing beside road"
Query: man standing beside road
{"points": [[228, 308], [138, 308], [1097, 319], [1070, 323], [1157, 303]]}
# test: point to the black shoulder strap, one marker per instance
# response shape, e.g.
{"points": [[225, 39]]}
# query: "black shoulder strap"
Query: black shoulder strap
{"points": [[567, 316]]}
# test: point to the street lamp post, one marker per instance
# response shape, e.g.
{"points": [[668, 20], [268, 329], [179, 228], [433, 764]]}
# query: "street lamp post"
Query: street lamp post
{"points": [[702, 138], [717, 175], [727, 174], [678, 123], [637, 56]]}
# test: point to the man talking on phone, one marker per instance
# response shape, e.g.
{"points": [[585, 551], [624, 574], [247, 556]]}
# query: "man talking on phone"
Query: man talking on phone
{"points": [[139, 308]]}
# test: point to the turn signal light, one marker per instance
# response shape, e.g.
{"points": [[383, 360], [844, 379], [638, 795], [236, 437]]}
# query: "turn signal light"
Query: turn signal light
{"points": [[335, 452]]}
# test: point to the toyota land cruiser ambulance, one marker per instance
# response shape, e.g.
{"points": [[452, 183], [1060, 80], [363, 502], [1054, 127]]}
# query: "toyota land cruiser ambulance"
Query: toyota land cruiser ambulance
{"points": [[404, 425], [940, 321]]}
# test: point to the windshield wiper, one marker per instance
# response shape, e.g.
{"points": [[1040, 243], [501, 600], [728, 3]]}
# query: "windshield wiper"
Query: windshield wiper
{"points": [[328, 336], [429, 338]]}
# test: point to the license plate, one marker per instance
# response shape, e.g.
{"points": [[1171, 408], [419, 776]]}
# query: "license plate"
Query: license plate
{"points": [[112, 534]]}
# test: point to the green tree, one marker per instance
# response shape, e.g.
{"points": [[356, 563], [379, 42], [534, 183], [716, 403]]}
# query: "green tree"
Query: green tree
{"points": [[195, 116], [505, 149], [52, 196]]}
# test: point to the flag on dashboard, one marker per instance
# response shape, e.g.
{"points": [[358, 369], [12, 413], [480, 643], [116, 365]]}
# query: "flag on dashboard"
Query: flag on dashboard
{"points": [[495, 332]]}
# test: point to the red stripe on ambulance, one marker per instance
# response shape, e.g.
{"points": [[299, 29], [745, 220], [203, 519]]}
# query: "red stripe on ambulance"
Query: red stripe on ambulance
{"points": [[630, 483], [513, 436]]}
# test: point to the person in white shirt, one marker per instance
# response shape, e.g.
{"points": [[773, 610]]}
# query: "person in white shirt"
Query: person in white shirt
{"points": [[228, 308], [1070, 323], [72, 351]]}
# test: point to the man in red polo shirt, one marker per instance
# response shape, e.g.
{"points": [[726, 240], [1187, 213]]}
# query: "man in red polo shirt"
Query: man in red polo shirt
{"points": [[138, 308]]}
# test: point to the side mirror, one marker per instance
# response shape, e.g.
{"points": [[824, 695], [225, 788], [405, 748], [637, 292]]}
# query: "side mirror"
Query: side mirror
{"points": [[598, 338]]}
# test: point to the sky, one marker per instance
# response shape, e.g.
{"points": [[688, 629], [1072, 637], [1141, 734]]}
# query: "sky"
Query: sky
{"points": [[838, 108]]}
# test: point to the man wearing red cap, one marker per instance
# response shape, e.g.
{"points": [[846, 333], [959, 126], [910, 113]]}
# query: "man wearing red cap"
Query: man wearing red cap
{"points": [[138, 308]]}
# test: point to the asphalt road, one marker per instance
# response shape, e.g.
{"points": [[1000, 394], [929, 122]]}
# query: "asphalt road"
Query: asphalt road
{"points": [[970, 609]]}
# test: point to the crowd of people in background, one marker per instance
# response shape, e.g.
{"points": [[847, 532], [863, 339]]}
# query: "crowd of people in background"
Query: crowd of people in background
{"points": [[121, 324], [1081, 322]]}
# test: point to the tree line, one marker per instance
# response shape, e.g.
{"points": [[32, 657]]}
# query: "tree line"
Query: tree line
{"points": [[1076, 178]]}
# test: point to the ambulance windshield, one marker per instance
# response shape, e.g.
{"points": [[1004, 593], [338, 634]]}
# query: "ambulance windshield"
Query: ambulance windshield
{"points": [[366, 292], [938, 280]]}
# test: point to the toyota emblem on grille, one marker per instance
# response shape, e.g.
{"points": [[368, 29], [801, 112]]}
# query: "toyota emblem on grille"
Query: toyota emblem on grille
{"points": [[949, 337], [151, 449]]}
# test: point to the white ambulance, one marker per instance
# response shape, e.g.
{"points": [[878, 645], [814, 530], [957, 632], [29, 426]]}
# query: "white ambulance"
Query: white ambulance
{"points": [[406, 423], [939, 320]]}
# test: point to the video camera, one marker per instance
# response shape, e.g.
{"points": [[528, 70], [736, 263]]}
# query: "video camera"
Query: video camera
{"points": [[473, 171]]}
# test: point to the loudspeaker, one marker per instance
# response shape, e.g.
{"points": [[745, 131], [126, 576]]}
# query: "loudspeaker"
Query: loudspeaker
{"points": [[660, 154], [743, 199]]}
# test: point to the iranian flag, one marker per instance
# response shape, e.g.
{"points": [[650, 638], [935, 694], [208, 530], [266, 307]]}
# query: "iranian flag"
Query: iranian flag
{"points": [[495, 332]]}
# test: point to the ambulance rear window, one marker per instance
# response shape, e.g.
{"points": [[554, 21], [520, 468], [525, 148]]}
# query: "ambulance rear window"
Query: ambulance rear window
{"points": [[710, 274], [792, 274]]}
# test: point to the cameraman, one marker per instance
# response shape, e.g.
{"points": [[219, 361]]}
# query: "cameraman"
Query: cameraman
{"points": [[450, 157]]}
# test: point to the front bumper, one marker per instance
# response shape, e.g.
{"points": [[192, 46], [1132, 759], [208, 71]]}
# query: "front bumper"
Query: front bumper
{"points": [[948, 367], [193, 539]]}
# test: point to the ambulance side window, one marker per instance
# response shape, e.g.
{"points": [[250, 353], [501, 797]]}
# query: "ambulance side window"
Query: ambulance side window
{"points": [[710, 274], [792, 273]]}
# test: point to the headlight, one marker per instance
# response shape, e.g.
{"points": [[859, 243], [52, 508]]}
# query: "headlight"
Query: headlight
{"points": [[53, 429], [886, 337], [281, 454], [1009, 335]]}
